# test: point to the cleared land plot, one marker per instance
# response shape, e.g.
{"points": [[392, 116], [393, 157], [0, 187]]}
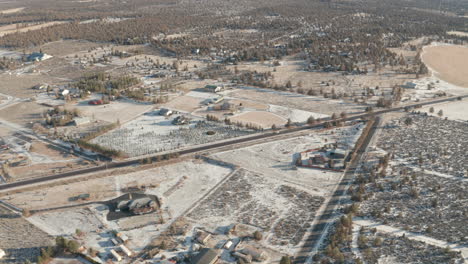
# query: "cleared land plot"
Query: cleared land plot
{"points": [[121, 110], [57, 225], [184, 103], [454, 111], [19, 85], [296, 101], [23, 113], [176, 184], [262, 119], [448, 63], [19, 239]]}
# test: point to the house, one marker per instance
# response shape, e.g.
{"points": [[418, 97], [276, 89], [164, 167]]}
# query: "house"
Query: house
{"points": [[203, 237], [2, 253], [257, 254], [38, 56], [115, 255], [165, 112], [79, 121], [408, 85], [205, 256], [213, 88]]}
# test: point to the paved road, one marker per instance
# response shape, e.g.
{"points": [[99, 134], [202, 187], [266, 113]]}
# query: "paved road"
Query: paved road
{"points": [[120, 164], [330, 211]]}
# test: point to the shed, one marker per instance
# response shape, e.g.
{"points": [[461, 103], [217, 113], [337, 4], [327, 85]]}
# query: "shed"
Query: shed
{"points": [[206, 256], [115, 255], [79, 121], [2, 253], [125, 250]]}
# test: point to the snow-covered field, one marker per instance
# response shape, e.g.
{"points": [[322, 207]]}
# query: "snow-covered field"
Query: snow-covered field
{"points": [[457, 111]]}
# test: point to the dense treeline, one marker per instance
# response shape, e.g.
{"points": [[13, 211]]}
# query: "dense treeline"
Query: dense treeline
{"points": [[104, 83]]}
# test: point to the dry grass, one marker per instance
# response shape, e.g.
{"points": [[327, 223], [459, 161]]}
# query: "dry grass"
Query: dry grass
{"points": [[448, 62]]}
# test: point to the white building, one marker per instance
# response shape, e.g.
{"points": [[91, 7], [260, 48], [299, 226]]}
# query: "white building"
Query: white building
{"points": [[2, 253]]}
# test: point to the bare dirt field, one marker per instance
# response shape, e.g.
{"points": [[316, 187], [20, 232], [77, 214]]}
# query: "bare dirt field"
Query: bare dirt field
{"points": [[5, 30], [263, 119], [20, 85], [448, 63], [23, 113], [67, 47]]}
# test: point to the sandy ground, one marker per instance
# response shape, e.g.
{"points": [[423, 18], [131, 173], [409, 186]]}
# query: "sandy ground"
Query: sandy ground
{"points": [[198, 178], [263, 119], [5, 30], [313, 104], [448, 62]]}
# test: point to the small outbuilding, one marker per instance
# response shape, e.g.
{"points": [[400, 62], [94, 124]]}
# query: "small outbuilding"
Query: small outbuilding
{"points": [[165, 112], [203, 237], [2, 253], [213, 88]]}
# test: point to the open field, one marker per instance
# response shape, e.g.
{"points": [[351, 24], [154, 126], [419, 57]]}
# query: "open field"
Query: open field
{"points": [[24, 113], [5, 30], [120, 110], [262, 119], [296, 101], [457, 111], [448, 63]]}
